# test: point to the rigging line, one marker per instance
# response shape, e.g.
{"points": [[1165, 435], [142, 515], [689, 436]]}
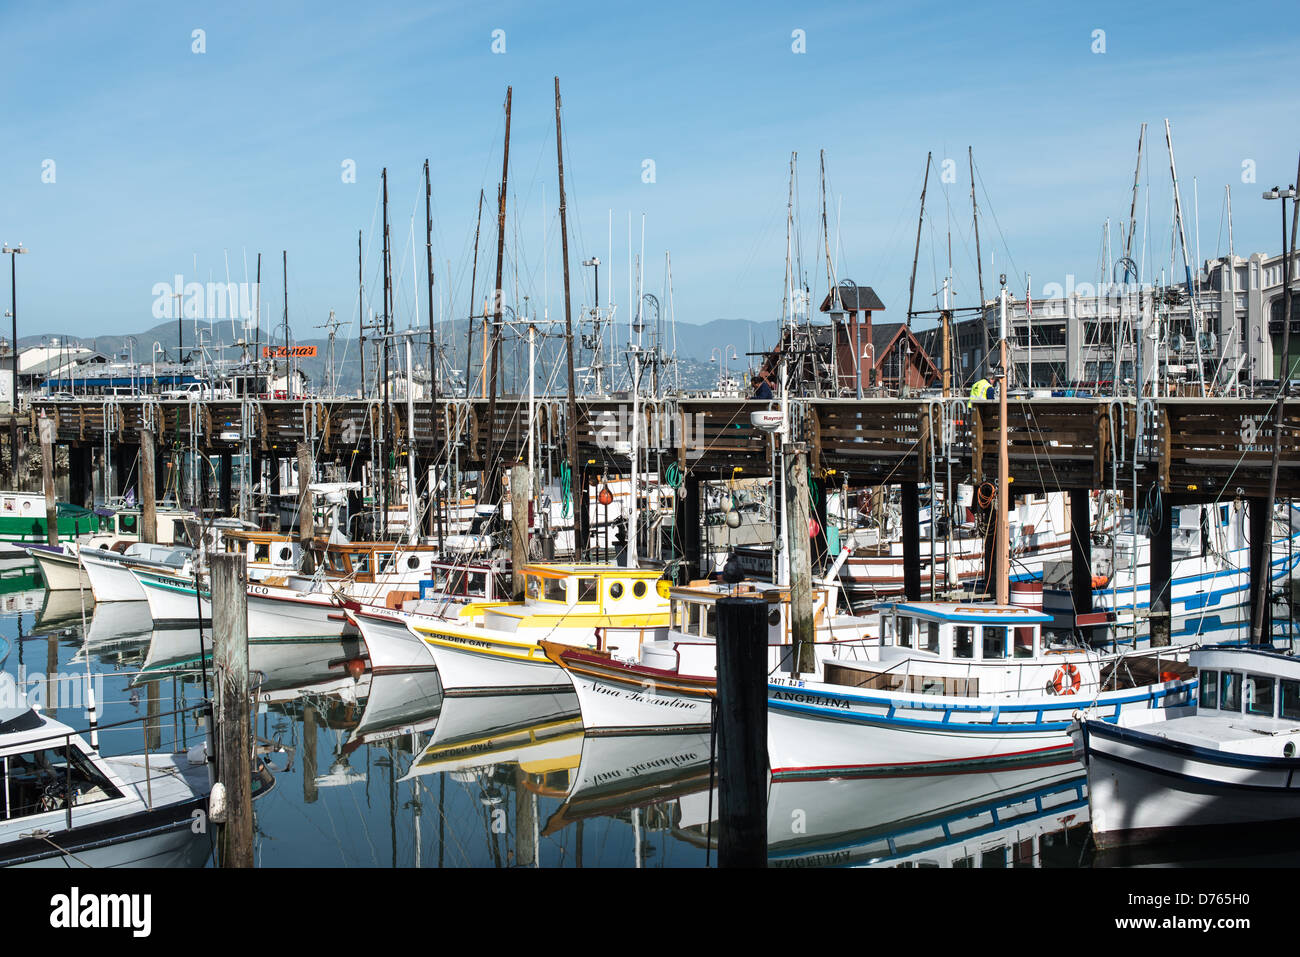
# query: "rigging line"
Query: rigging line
{"points": [[988, 205]]}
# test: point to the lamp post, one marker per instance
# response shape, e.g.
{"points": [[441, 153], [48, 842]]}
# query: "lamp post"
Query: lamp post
{"points": [[1284, 195], [13, 252]]}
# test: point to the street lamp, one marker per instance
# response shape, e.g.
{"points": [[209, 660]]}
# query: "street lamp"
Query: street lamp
{"points": [[13, 252], [1284, 195]]}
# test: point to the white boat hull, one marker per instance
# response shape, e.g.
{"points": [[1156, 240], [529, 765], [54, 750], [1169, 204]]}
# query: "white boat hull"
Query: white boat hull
{"points": [[111, 580]]}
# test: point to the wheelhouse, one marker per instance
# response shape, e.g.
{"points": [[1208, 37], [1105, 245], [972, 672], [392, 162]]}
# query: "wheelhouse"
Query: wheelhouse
{"points": [[1236, 681]]}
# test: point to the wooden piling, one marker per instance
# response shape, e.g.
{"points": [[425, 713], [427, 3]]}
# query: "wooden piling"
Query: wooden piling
{"points": [[1080, 551], [742, 732], [520, 487], [801, 603], [309, 792], [47, 475], [1261, 554], [1161, 571], [912, 540], [230, 663], [306, 509], [148, 488]]}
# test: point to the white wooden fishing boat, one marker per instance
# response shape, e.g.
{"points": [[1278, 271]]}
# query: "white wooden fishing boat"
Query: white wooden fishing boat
{"points": [[1230, 758], [667, 686], [494, 647], [67, 806], [953, 687]]}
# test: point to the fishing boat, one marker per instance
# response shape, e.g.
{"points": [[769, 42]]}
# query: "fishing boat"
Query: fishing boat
{"points": [[110, 571], [68, 806], [1227, 759], [955, 687], [23, 521], [494, 647], [667, 686], [118, 528]]}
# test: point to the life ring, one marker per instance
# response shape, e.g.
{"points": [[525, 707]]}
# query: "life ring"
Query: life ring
{"points": [[1066, 680]]}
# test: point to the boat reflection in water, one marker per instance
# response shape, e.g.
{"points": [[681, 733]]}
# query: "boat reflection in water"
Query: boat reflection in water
{"points": [[282, 662], [398, 703], [1031, 817]]}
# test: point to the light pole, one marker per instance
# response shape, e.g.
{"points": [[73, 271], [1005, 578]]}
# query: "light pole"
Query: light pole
{"points": [[1284, 195], [13, 252]]}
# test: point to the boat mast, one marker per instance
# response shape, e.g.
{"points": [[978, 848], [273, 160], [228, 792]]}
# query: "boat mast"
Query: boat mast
{"points": [[434, 505], [1003, 497], [473, 282], [576, 478], [1187, 266], [979, 260], [491, 465], [916, 253]]}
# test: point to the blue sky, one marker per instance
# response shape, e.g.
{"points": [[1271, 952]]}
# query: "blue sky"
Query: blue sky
{"points": [[168, 161]]}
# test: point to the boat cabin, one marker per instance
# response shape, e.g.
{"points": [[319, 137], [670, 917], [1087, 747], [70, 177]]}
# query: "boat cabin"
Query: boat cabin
{"points": [[594, 589], [266, 553], [1249, 682], [949, 648]]}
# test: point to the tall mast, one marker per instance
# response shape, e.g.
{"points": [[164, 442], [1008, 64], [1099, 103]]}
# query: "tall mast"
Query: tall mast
{"points": [[473, 282], [433, 359], [361, 316], [1187, 266], [831, 283], [1004, 496], [491, 465], [575, 468], [383, 418], [911, 286], [979, 259], [257, 329], [287, 387], [1132, 210]]}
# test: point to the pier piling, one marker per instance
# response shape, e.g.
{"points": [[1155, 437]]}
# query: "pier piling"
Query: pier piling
{"points": [[230, 664], [1161, 571], [520, 489], [742, 732], [1080, 551], [47, 476], [148, 488]]}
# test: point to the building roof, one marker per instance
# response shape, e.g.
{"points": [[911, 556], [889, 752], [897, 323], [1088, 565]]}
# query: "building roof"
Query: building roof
{"points": [[855, 298]]}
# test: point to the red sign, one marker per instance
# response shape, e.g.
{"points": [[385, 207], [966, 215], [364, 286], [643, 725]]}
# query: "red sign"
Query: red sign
{"points": [[293, 352]]}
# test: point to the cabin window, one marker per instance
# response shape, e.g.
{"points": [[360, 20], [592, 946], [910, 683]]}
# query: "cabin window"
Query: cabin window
{"points": [[638, 590], [1291, 700], [1024, 643], [533, 586], [675, 615], [710, 624], [964, 861], [1259, 695], [588, 590], [413, 562], [994, 856], [383, 561], [1210, 689], [360, 562], [905, 632], [616, 590], [336, 562], [928, 636], [555, 590], [262, 553], [995, 641], [1230, 691], [964, 641], [38, 781], [127, 524], [476, 584], [694, 613]]}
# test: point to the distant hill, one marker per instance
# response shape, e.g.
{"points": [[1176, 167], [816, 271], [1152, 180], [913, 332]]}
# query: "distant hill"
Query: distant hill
{"points": [[695, 347]]}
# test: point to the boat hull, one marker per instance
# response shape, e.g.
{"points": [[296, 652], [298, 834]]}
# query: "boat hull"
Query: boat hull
{"points": [[111, 580], [1144, 787], [61, 570], [820, 730], [472, 665]]}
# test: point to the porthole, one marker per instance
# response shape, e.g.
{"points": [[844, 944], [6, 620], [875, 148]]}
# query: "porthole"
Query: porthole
{"points": [[616, 590], [774, 618], [1288, 750], [413, 561], [639, 589], [285, 553]]}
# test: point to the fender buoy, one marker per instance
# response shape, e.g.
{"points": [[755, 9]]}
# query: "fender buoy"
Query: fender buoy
{"points": [[1169, 676], [1066, 680], [1100, 581]]}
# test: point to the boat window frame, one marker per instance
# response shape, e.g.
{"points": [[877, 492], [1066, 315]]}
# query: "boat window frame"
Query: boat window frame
{"points": [[1208, 685], [1251, 689], [551, 585], [984, 642], [957, 629], [1226, 688], [1294, 714]]}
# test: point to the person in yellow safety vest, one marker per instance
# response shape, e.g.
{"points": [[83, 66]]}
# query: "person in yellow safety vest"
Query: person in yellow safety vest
{"points": [[980, 390]]}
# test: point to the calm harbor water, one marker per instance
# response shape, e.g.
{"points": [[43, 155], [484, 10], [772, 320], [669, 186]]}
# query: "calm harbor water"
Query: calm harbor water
{"points": [[388, 773]]}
